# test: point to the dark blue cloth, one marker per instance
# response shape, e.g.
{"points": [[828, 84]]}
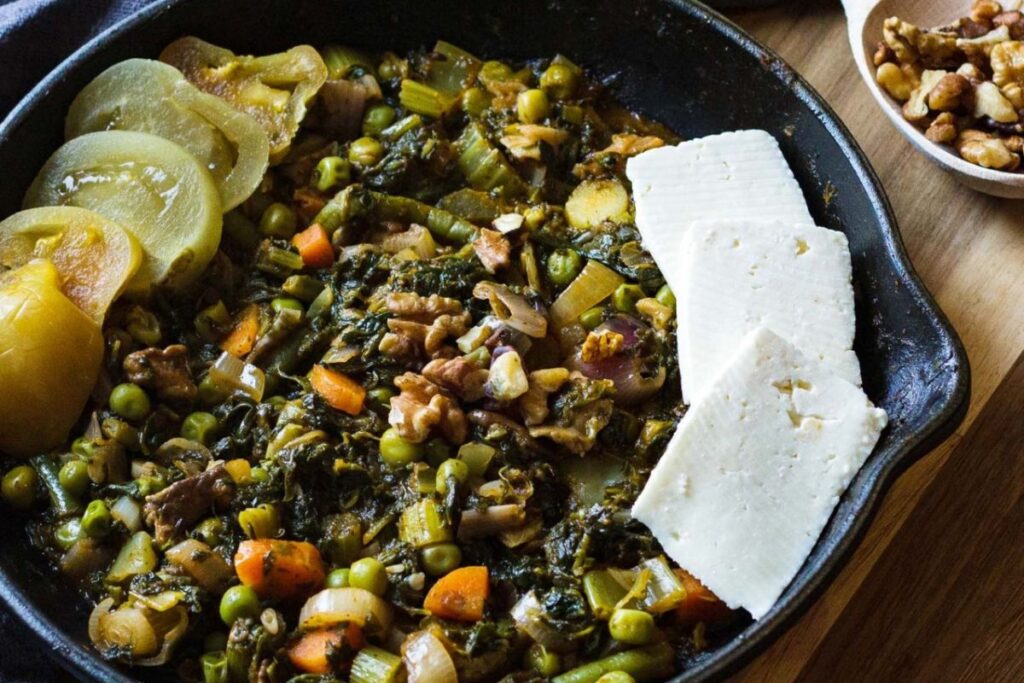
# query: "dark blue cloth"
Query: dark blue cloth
{"points": [[35, 36]]}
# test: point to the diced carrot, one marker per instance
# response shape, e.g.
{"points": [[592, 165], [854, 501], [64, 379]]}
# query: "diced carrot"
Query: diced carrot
{"points": [[280, 570], [700, 604], [326, 650], [340, 391], [459, 595], [242, 337], [314, 245]]}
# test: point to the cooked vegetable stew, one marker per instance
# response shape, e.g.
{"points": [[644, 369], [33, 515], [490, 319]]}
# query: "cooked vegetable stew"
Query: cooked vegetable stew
{"points": [[385, 419]]}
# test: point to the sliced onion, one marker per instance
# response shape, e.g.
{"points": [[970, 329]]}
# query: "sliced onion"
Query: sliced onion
{"points": [[594, 284], [528, 614], [238, 375], [513, 309], [334, 605], [426, 659], [172, 624], [631, 386], [343, 103], [126, 628]]}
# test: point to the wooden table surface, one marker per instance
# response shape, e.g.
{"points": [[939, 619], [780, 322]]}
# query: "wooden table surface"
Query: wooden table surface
{"points": [[935, 592]]}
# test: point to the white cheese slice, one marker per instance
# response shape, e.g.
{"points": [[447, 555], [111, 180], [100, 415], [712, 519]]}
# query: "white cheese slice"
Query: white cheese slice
{"points": [[754, 470], [737, 275], [740, 175]]}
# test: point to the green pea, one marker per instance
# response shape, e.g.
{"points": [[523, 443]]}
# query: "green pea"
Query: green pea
{"points": [[616, 677], [475, 102], [437, 451], [543, 661], [592, 317], [560, 81], [68, 533], [211, 392], [278, 220], [624, 298], [665, 297], [563, 266], [390, 67], [74, 477], [495, 71], [365, 152], [19, 487], [532, 106], [286, 303], [377, 118], [201, 427], [96, 520], [239, 602], [631, 626], [215, 666], [380, 396], [441, 558], [534, 217], [572, 114], [215, 640], [83, 447], [396, 451], [368, 573], [210, 531], [451, 469], [331, 172], [259, 474], [129, 401], [339, 578]]}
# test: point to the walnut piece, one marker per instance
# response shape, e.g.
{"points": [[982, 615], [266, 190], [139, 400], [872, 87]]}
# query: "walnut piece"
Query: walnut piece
{"points": [[987, 151], [523, 140], [534, 403], [174, 509], [910, 44], [883, 54], [916, 108], [948, 93], [1007, 60], [943, 129], [164, 371], [460, 376], [421, 406], [989, 101], [507, 380], [492, 249], [978, 49], [628, 144], [1014, 21], [984, 10], [432, 336], [412, 306], [601, 345], [895, 81]]}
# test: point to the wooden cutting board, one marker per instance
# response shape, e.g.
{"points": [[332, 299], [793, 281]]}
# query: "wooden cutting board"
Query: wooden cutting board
{"points": [[935, 592]]}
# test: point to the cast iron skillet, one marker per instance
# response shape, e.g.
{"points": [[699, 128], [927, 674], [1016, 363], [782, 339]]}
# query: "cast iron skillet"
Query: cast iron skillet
{"points": [[672, 60]]}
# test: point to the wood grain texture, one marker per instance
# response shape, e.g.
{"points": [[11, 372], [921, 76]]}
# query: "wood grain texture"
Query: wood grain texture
{"points": [[968, 249]]}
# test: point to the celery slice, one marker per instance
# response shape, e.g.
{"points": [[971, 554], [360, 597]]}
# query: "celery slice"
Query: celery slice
{"points": [[484, 165]]}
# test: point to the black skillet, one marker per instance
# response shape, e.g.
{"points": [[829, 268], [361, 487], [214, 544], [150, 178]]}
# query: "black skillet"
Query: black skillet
{"points": [[672, 60]]}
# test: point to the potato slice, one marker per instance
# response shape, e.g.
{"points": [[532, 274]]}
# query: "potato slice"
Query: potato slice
{"points": [[94, 256], [595, 201], [152, 97], [152, 187], [274, 89], [51, 356]]}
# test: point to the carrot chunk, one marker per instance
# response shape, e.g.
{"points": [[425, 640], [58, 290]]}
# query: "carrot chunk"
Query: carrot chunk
{"points": [[340, 391], [459, 595], [700, 604], [279, 570], [326, 650], [314, 246], [242, 336]]}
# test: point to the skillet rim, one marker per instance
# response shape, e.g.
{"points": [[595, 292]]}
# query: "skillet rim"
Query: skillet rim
{"points": [[85, 664]]}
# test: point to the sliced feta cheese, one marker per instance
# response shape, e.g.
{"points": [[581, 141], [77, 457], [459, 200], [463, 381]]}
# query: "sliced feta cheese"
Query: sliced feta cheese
{"points": [[753, 472], [740, 175], [737, 275]]}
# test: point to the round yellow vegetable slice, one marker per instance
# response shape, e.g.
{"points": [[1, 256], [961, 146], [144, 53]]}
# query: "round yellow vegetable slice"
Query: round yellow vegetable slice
{"points": [[95, 257], [50, 356], [152, 97], [150, 186]]}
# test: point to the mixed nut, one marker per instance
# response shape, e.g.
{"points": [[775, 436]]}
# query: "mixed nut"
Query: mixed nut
{"points": [[963, 83]]}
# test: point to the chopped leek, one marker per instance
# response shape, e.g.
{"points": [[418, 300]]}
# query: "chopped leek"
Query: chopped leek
{"points": [[374, 665], [603, 592], [592, 286], [484, 165], [452, 69], [420, 98], [424, 524]]}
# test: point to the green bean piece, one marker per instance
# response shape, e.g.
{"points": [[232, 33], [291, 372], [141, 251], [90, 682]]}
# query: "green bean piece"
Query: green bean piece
{"points": [[284, 303], [631, 626], [532, 106], [592, 317], [475, 102], [441, 558], [624, 298], [262, 521], [616, 677], [368, 573], [380, 397], [356, 201], [437, 450], [19, 487], [303, 287], [451, 472], [68, 533], [377, 117], [215, 640], [74, 477], [563, 266], [210, 531], [278, 220], [62, 501], [96, 520], [396, 451], [215, 666], [331, 172], [559, 81], [374, 665], [201, 427], [239, 602], [277, 261], [650, 663], [543, 661], [665, 297], [339, 578], [365, 152], [129, 401]]}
